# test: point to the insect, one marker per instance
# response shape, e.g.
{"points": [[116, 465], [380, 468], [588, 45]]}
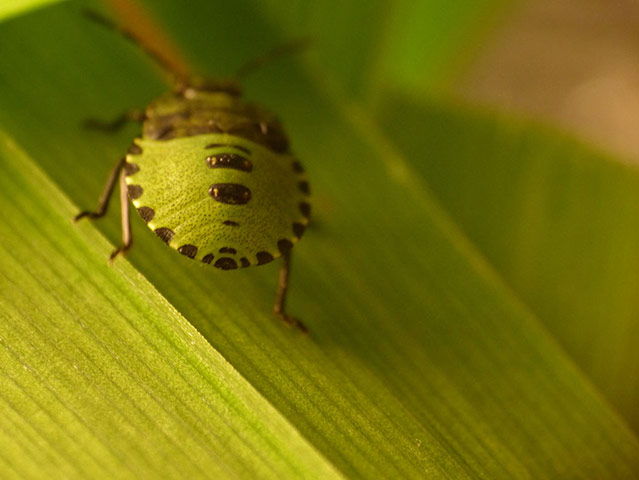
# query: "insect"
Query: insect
{"points": [[212, 175]]}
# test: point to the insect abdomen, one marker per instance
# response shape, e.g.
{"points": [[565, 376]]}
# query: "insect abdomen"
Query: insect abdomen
{"points": [[218, 198]]}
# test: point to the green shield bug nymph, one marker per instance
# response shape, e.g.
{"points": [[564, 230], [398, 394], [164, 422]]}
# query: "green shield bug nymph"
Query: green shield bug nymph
{"points": [[212, 176]]}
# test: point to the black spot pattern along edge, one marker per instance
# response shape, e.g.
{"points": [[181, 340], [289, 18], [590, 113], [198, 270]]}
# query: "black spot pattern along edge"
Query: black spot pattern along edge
{"points": [[165, 234], [188, 250]]}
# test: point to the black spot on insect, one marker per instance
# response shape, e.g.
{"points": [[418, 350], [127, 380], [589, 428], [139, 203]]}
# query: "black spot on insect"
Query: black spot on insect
{"points": [[304, 188], [264, 257], [226, 263], [134, 149], [298, 229], [230, 193], [284, 246], [135, 191], [305, 209], [230, 250], [297, 167], [188, 250], [166, 234], [208, 258], [239, 147], [230, 223], [229, 160], [131, 168], [245, 262], [147, 213]]}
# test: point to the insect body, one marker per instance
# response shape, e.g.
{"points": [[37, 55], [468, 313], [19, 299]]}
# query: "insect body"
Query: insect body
{"points": [[214, 178]]}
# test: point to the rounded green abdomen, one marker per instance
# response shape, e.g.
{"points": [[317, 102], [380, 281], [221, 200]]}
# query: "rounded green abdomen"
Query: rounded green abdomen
{"points": [[219, 198]]}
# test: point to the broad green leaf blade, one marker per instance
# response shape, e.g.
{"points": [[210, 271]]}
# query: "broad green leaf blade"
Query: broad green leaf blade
{"points": [[557, 219], [419, 363], [427, 41], [101, 378]]}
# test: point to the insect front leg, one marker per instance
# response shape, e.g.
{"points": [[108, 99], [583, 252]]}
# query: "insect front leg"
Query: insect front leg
{"points": [[127, 236], [117, 123], [280, 295], [103, 203]]}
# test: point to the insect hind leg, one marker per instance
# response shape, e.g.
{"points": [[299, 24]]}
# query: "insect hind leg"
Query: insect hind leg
{"points": [[280, 296], [127, 235], [103, 203]]}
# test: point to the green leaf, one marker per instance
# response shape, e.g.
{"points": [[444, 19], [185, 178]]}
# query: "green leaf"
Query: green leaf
{"points": [[427, 41], [420, 362], [101, 376], [557, 219]]}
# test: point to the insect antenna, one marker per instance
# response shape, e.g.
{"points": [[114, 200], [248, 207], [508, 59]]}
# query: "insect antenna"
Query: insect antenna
{"points": [[161, 61], [284, 49]]}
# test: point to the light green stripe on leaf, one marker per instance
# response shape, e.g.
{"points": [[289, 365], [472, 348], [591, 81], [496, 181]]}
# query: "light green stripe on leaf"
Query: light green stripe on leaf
{"points": [[12, 8]]}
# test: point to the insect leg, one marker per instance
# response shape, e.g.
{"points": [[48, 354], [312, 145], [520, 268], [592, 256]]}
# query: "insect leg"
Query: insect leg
{"points": [[117, 123], [127, 236], [280, 295], [103, 203]]}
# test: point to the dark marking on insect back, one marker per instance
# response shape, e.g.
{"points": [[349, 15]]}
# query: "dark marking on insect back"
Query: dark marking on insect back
{"points": [[208, 258], [165, 133], [297, 167], [226, 263], [239, 147], [230, 193], [166, 234], [134, 149], [135, 191], [189, 118], [264, 257], [230, 223], [230, 250], [245, 262], [229, 160], [147, 213], [284, 246], [188, 250], [305, 209], [298, 229], [304, 188], [131, 168]]}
